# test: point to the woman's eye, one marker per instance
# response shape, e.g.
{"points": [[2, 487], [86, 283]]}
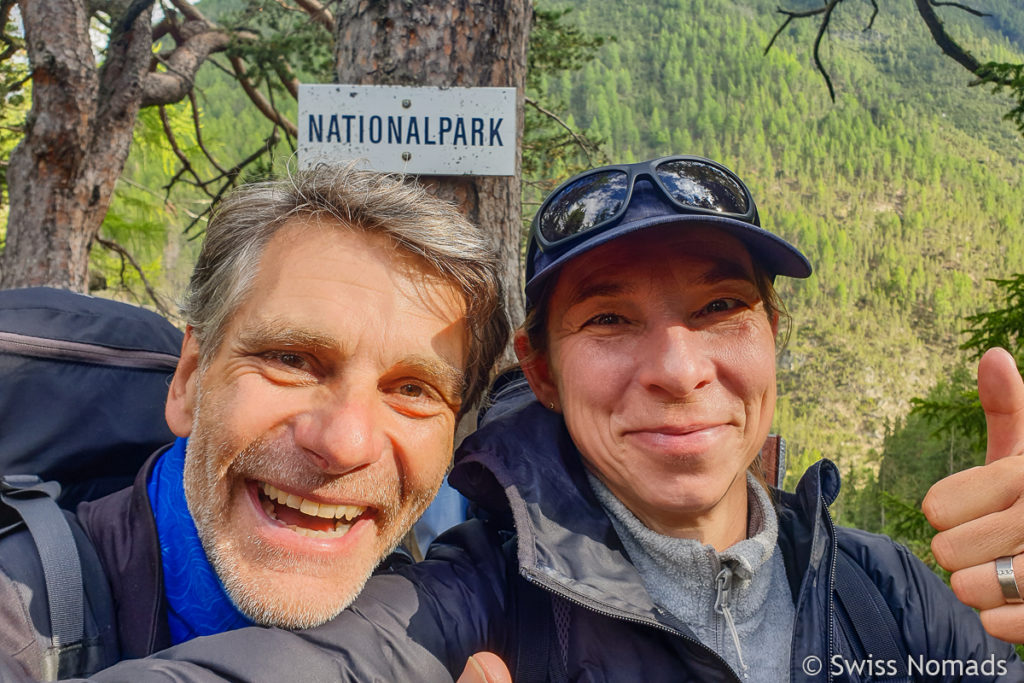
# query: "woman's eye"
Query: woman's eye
{"points": [[722, 305], [606, 319]]}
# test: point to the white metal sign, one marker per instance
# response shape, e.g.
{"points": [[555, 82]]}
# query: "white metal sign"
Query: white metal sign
{"points": [[419, 130]]}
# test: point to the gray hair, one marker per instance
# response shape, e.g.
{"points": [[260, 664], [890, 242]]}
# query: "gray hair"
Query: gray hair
{"points": [[418, 223]]}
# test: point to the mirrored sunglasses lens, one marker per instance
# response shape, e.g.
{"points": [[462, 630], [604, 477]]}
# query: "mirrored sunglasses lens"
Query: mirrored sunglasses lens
{"points": [[700, 185], [583, 204]]}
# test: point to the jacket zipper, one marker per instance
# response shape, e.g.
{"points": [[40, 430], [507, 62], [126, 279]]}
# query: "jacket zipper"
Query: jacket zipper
{"points": [[595, 607], [831, 585], [723, 596], [81, 352]]}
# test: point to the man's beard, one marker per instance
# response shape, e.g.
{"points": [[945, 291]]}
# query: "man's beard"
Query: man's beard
{"points": [[263, 596]]}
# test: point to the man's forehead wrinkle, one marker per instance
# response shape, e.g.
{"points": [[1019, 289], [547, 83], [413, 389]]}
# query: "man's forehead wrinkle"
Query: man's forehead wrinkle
{"points": [[401, 263], [284, 333], [429, 292]]}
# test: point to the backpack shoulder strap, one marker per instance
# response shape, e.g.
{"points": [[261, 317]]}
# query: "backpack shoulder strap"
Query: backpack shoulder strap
{"points": [[58, 548], [869, 615], [542, 637]]}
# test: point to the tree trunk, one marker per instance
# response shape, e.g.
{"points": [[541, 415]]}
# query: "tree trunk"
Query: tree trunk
{"points": [[62, 174], [454, 43]]}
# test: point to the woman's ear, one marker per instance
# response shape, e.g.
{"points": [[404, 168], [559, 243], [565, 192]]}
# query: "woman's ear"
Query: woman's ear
{"points": [[537, 370], [181, 396]]}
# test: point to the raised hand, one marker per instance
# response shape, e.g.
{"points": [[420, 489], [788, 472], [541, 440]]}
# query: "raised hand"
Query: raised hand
{"points": [[980, 512]]}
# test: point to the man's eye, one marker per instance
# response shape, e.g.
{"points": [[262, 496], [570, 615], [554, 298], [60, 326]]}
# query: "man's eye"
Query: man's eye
{"points": [[416, 399], [292, 360], [411, 390], [295, 361]]}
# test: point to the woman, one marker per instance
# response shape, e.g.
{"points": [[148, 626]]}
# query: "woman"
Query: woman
{"points": [[650, 345], [624, 534]]}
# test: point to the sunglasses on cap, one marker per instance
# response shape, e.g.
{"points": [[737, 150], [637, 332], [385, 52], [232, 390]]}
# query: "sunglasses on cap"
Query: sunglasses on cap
{"points": [[599, 198]]}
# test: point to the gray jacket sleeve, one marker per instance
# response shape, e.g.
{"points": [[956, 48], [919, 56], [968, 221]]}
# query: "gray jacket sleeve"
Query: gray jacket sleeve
{"points": [[419, 623], [20, 643]]}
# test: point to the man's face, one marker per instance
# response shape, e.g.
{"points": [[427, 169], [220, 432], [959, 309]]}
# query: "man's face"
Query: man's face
{"points": [[323, 424]]}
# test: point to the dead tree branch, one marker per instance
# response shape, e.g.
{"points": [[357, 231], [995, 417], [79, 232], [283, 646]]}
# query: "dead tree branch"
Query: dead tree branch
{"points": [[874, 15], [581, 142], [126, 256], [182, 157], [287, 76], [319, 13], [199, 132], [949, 47], [826, 17], [926, 10], [230, 178], [256, 97], [965, 8]]}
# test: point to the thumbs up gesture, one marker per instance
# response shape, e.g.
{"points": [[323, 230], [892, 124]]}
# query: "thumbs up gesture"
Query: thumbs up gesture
{"points": [[979, 512]]}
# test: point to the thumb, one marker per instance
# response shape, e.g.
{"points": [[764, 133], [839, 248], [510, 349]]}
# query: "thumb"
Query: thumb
{"points": [[485, 667], [1001, 392]]}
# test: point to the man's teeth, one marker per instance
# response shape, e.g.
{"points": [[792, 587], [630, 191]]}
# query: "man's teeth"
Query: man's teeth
{"points": [[349, 512], [343, 514]]}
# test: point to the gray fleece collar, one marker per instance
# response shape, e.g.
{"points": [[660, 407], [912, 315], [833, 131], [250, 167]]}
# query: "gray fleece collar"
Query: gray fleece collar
{"points": [[680, 573]]}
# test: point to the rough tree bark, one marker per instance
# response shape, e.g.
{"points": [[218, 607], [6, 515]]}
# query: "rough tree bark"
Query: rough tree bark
{"points": [[61, 175], [448, 43]]}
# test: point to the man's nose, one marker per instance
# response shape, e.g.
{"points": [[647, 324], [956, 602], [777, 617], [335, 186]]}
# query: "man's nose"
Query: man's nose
{"points": [[675, 360], [342, 432]]}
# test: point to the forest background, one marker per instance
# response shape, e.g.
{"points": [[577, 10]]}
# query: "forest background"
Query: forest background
{"points": [[906, 193]]}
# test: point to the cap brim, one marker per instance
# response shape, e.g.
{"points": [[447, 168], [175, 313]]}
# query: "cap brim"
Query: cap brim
{"points": [[773, 253]]}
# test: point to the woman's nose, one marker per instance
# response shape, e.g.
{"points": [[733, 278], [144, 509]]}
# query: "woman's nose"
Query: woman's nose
{"points": [[675, 361]]}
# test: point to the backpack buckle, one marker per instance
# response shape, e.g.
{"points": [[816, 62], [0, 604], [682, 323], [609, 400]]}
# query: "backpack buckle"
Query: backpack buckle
{"points": [[18, 484]]}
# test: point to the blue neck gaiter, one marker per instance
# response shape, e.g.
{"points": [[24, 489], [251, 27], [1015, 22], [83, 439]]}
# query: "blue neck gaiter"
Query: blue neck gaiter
{"points": [[198, 603]]}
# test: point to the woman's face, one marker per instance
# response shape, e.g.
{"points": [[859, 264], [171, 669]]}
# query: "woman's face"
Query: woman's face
{"points": [[662, 359]]}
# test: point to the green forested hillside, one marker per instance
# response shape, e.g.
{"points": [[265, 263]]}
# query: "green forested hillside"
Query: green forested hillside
{"points": [[907, 192]]}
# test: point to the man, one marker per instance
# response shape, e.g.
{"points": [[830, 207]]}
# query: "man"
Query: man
{"points": [[338, 323]]}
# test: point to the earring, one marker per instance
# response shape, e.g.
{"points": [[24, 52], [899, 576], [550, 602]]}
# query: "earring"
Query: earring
{"points": [[551, 405]]}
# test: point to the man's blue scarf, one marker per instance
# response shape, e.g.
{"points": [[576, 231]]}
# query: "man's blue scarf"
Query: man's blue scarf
{"points": [[199, 605]]}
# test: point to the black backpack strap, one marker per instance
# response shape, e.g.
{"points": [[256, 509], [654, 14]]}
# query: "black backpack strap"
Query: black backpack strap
{"points": [[542, 636], [870, 616], [34, 500]]}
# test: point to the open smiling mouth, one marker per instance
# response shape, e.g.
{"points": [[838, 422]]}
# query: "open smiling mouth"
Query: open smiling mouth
{"points": [[307, 517]]}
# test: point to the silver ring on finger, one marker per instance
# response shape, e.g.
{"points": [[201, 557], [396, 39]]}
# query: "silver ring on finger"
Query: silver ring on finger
{"points": [[1007, 580]]}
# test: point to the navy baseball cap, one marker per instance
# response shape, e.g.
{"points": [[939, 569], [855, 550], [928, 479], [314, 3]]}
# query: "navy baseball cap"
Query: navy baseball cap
{"points": [[607, 203]]}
